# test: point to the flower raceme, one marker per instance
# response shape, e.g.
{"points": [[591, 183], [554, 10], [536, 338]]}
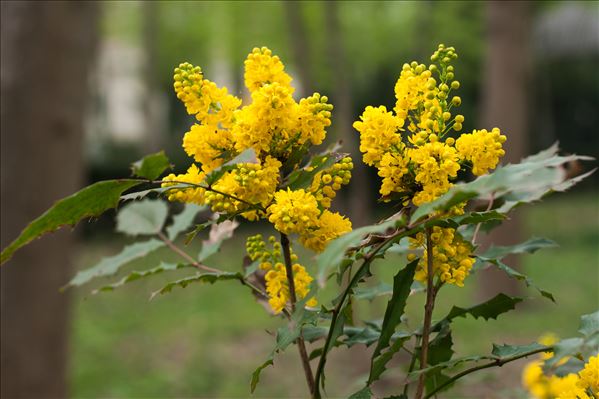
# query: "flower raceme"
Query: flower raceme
{"points": [[415, 152], [277, 128]]}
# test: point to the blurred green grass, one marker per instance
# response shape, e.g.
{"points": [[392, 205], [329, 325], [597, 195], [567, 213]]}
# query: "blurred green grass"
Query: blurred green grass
{"points": [[205, 340]]}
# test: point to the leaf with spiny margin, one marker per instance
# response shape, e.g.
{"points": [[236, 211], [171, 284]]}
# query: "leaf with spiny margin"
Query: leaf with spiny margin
{"points": [[393, 313], [450, 364], [139, 274], [335, 250], [209, 278], [565, 347], [218, 233], [490, 309], [183, 220], [247, 156], [516, 184], [589, 324], [110, 265], [440, 348], [530, 246], [369, 293], [364, 393], [302, 178], [151, 166], [521, 277], [92, 201], [256, 374], [144, 217], [379, 365], [138, 195], [467, 218], [503, 352]]}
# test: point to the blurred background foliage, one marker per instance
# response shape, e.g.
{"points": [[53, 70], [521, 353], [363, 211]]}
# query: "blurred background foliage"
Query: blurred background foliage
{"points": [[205, 341]]}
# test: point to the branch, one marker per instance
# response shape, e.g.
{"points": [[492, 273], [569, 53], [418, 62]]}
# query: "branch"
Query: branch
{"points": [[301, 345], [494, 363], [186, 256]]}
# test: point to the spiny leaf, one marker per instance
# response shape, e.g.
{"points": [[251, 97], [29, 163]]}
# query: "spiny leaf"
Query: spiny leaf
{"points": [[110, 265], [136, 275], [564, 348], [256, 373], [393, 313], [589, 324], [530, 246], [144, 217], [468, 218], [218, 233], [302, 178], [379, 364], [522, 277], [525, 182], [210, 278], [440, 348], [151, 166], [247, 156], [448, 365], [90, 202], [184, 220], [490, 309], [370, 293], [364, 393], [335, 250], [503, 352]]}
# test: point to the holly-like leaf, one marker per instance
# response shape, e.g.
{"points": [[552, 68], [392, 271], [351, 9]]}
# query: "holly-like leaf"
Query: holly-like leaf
{"points": [[335, 250], [521, 277], [530, 246], [516, 184], [589, 324], [369, 293], [184, 220], [247, 156], [393, 313], [110, 265], [92, 201], [364, 393], [218, 233], [209, 278], [503, 352], [151, 166], [302, 178], [142, 218], [565, 348], [136, 275]]}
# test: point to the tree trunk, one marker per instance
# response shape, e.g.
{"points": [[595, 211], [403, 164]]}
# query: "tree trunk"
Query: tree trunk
{"points": [[46, 49], [505, 105], [299, 45], [358, 205]]}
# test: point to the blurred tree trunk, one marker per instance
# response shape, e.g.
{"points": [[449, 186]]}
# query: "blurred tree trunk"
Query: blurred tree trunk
{"points": [[358, 205], [505, 105], [299, 45], [46, 49]]}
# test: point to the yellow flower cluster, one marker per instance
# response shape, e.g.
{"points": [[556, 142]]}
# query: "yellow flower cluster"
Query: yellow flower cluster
{"points": [[411, 147], [277, 285], [452, 258], [254, 183], [274, 125], [570, 386]]}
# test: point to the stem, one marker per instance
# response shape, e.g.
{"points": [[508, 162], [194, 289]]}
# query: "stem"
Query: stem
{"points": [[411, 368], [186, 256], [494, 363], [478, 225], [301, 345], [431, 293]]}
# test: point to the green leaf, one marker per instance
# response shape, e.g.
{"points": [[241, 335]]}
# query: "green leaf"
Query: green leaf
{"points": [[256, 373], [370, 293], [467, 218], [136, 275], [440, 348], [110, 265], [142, 218], [335, 250], [521, 277], [89, 202], [247, 156], [448, 365], [530, 246], [393, 313], [589, 324], [151, 166], [302, 178], [364, 393], [184, 220], [516, 184], [503, 352], [209, 278], [564, 348], [218, 233], [490, 309], [379, 364]]}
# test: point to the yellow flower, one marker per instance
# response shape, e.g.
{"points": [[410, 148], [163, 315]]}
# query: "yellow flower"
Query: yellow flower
{"points": [[393, 168], [313, 117], [378, 133], [206, 144], [482, 148], [589, 376], [294, 212], [262, 68], [188, 194], [326, 182], [277, 286], [329, 226]]}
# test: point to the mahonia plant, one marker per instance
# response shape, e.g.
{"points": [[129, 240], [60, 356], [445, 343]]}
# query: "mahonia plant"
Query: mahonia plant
{"points": [[253, 161]]}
